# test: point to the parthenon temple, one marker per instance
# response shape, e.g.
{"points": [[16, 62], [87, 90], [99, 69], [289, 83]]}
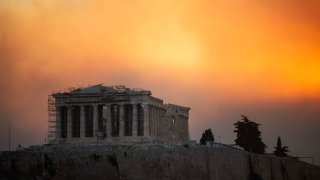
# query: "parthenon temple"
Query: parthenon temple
{"points": [[116, 114]]}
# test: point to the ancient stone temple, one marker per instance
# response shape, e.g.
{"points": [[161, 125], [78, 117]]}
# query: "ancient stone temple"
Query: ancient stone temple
{"points": [[116, 114]]}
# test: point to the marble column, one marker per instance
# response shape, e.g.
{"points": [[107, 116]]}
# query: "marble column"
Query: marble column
{"points": [[150, 121], [146, 119], [161, 123], [154, 121], [157, 119], [82, 123], [69, 122], [187, 127], [104, 117]]}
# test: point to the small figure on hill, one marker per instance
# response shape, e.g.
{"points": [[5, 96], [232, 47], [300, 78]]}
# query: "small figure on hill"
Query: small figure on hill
{"points": [[206, 136], [279, 150], [249, 136]]}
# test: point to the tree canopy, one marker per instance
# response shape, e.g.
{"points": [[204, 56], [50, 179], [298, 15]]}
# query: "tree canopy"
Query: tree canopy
{"points": [[279, 150], [249, 136], [206, 136]]}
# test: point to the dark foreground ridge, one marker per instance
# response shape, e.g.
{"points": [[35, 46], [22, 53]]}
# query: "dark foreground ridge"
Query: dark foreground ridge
{"points": [[128, 162]]}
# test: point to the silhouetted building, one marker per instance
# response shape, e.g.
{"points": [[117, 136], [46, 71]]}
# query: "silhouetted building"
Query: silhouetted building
{"points": [[116, 114]]}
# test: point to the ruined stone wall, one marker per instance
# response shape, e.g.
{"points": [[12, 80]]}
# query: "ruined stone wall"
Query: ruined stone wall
{"points": [[153, 163], [177, 122], [116, 113]]}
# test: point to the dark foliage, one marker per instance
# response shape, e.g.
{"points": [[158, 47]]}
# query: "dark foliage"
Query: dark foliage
{"points": [[255, 176], [113, 160], [96, 157], [13, 164], [279, 150], [249, 136], [206, 136], [49, 165], [35, 169]]}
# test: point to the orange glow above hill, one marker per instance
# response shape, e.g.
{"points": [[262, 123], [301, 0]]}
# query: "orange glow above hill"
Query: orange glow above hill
{"points": [[217, 44], [262, 49]]}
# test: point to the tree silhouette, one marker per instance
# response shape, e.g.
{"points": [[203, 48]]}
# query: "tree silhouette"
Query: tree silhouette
{"points": [[279, 150], [206, 136], [249, 136]]}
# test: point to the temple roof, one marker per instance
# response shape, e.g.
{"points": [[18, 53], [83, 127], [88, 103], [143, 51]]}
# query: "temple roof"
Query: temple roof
{"points": [[102, 89]]}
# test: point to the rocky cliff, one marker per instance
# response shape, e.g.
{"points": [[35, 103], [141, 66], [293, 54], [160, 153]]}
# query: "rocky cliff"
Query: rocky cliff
{"points": [[153, 163]]}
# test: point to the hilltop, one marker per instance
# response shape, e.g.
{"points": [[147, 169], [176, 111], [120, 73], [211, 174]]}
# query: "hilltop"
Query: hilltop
{"points": [[151, 162]]}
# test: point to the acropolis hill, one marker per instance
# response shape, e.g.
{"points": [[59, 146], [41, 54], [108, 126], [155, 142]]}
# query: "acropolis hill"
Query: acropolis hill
{"points": [[145, 163], [113, 132]]}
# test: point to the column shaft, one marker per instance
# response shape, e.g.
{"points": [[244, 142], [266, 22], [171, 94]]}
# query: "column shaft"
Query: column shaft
{"points": [[150, 121], [104, 117], [160, 123], [187, 124], [108, 114], [146, 119], [154, 121]]}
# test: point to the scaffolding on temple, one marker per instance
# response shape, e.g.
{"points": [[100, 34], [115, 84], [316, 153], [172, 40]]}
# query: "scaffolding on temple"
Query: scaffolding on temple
{"points": [[52, 125]]}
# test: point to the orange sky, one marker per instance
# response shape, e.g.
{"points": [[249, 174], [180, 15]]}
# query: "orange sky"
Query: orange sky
{"points": [[218, 57]]}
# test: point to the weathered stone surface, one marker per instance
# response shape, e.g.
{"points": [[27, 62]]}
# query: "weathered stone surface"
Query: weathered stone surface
{"points": [[152, 162], [152, 121]]}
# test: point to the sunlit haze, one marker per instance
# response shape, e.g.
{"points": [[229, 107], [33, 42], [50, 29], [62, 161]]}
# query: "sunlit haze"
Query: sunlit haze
{"points": [[222, 58]]}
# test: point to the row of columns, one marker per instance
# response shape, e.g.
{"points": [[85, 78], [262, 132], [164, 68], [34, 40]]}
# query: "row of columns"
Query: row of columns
{"points": [[171, 126], [182, 132], [106, 120], [157, 121]]}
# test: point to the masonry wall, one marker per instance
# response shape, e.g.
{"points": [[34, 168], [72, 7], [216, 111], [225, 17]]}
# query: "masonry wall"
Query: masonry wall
{"points": [[177, 118], [153, 163]]}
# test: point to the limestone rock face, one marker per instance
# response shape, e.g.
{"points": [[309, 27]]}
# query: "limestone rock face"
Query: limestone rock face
{"points": [[153, 163]]}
